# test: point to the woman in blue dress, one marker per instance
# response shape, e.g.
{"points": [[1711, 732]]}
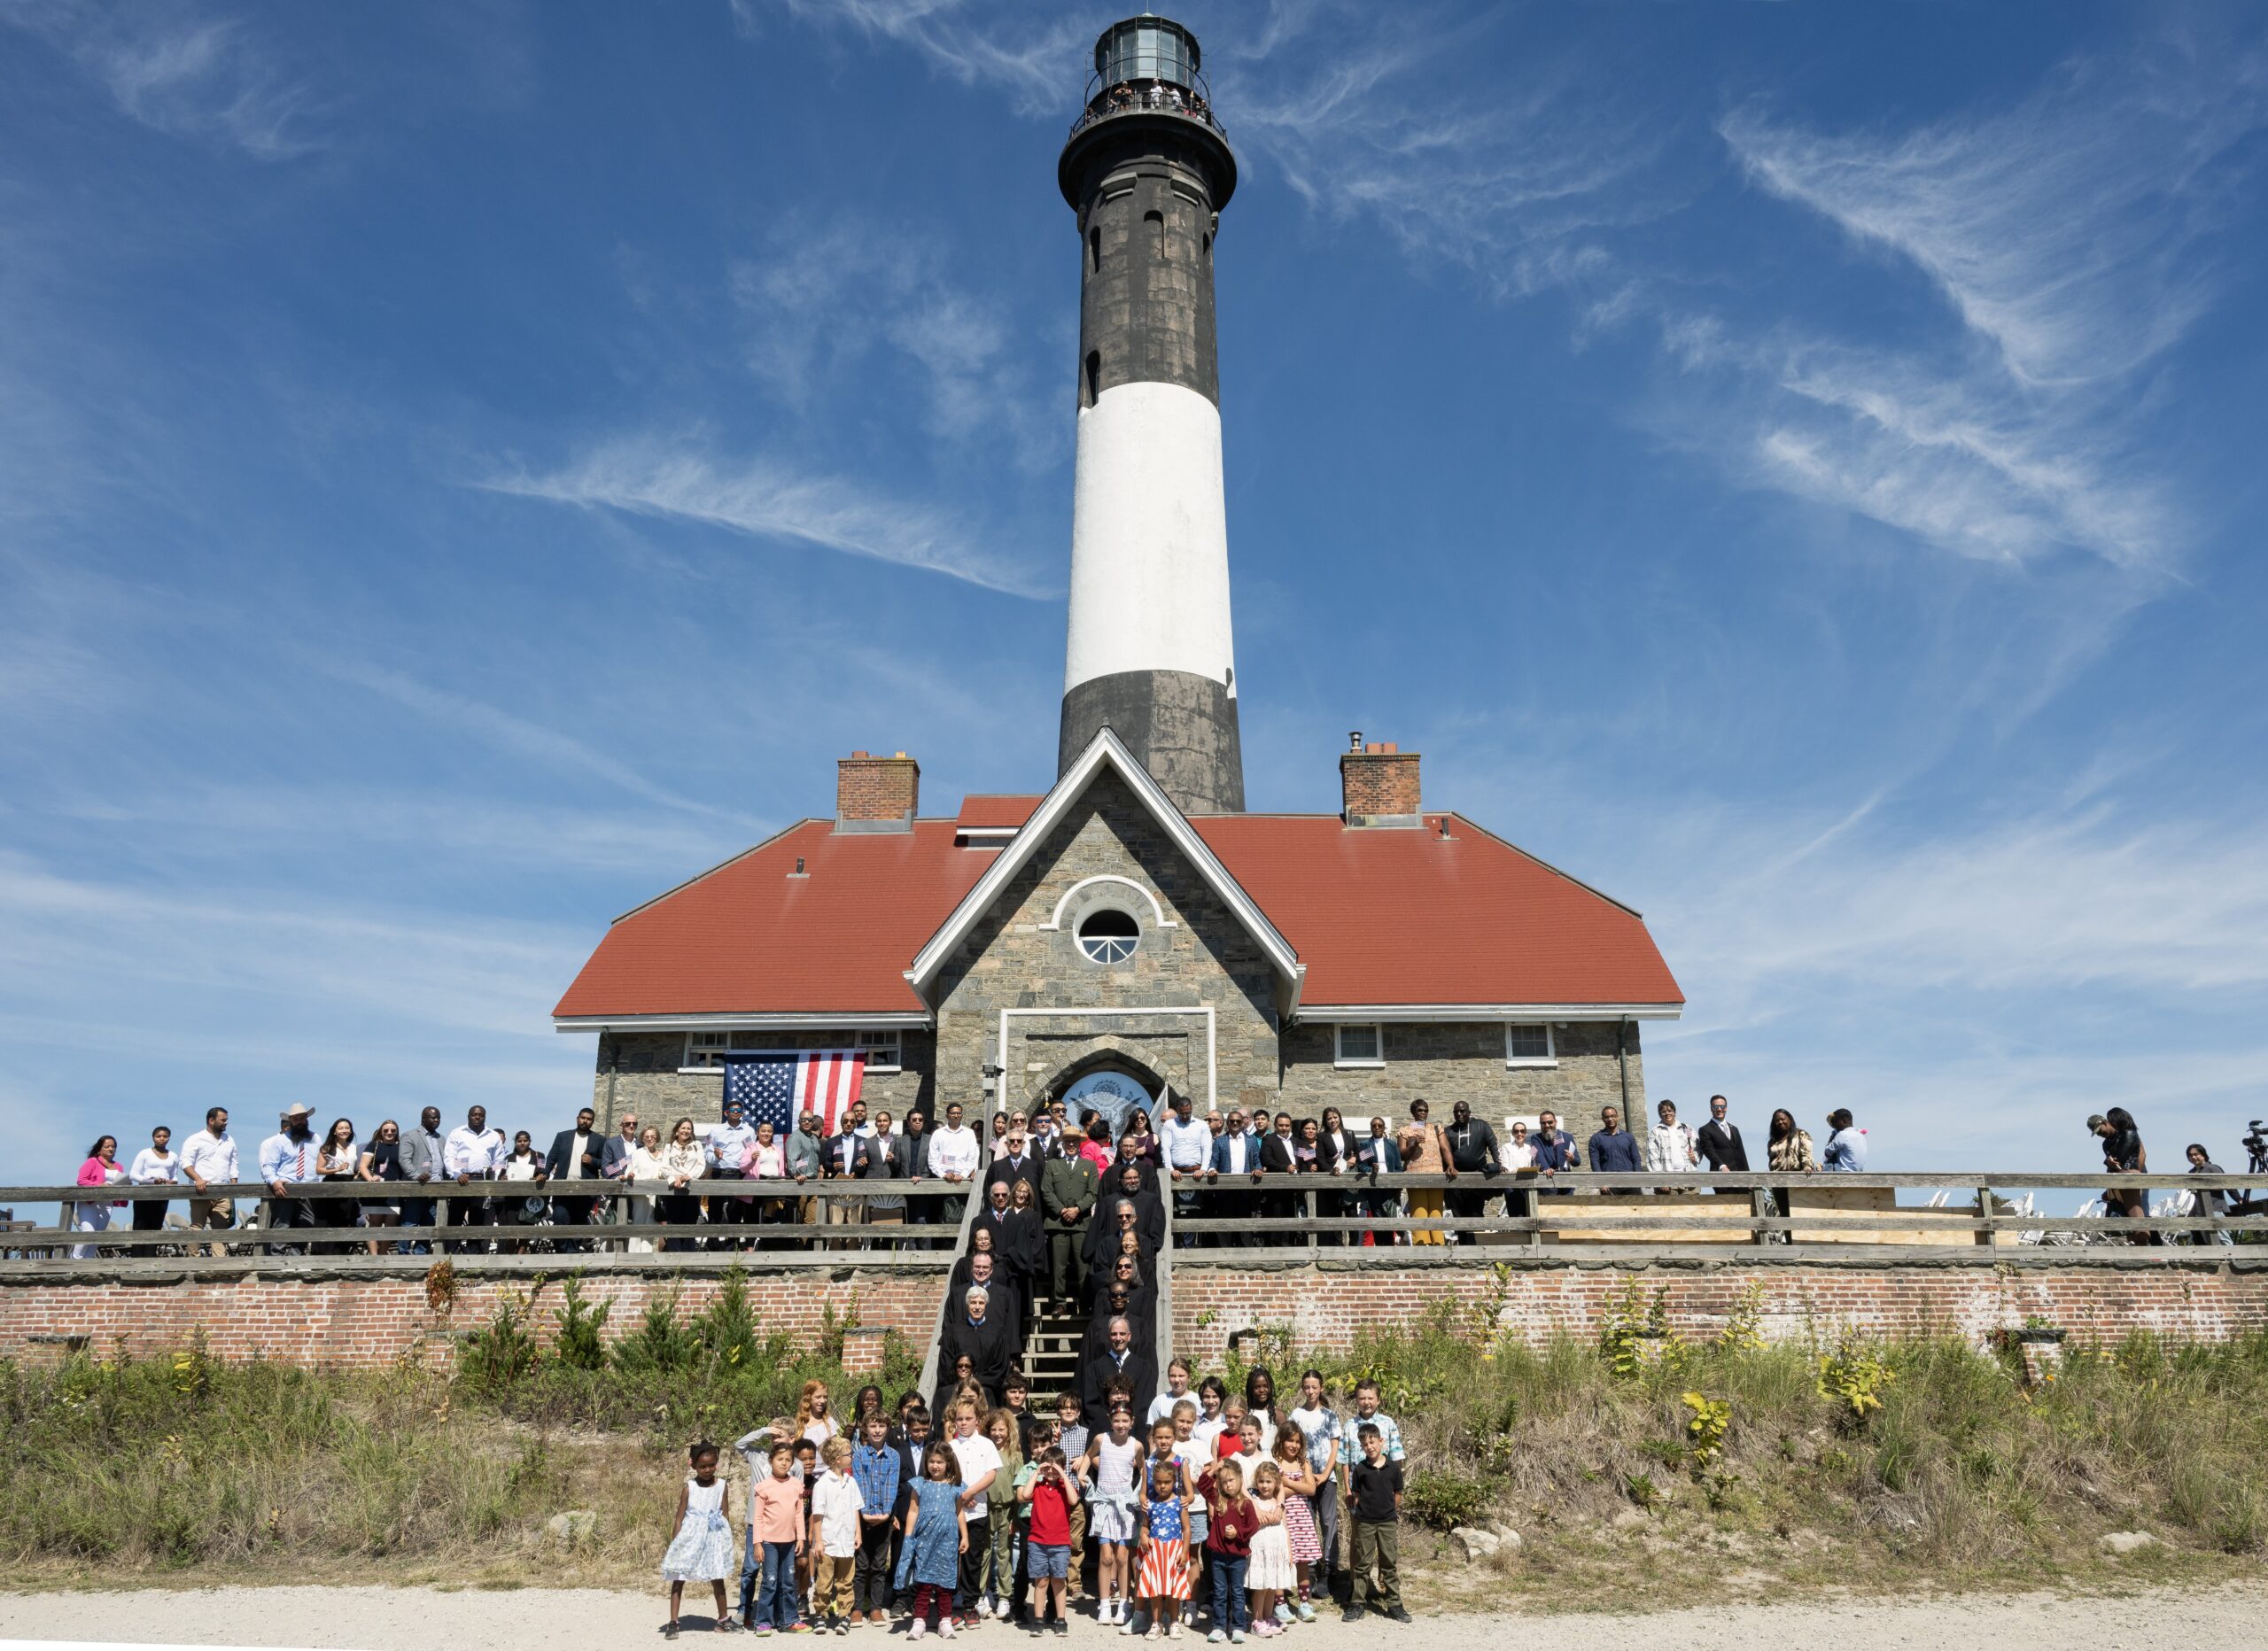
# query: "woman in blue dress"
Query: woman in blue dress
{"points": [[936, 1535]]}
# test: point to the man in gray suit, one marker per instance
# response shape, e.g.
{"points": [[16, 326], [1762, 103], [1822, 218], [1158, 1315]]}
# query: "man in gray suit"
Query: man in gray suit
{"points": [[421, 1162]]}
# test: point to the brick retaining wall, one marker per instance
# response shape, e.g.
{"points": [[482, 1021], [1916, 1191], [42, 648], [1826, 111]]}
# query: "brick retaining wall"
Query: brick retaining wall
{"points": [[374, 1322], [345, 1320], [2206, 1300]]}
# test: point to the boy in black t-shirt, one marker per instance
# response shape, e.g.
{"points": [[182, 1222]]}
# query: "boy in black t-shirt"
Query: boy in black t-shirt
{"points": [[1374, 1495]]}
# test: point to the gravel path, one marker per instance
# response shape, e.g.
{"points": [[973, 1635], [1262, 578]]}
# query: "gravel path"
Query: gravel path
{"points": [[538, 1619]]}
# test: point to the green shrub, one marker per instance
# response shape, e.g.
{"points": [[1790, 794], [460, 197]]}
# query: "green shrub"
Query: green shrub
{"points": [[1443, 1498]]}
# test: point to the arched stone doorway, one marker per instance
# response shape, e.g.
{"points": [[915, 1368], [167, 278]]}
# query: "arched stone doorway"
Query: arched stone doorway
{"points": [[1111, 1085]]}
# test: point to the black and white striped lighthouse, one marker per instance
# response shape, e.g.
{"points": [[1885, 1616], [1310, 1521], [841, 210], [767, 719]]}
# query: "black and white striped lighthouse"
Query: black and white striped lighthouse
{"points": [[1150, 654]]}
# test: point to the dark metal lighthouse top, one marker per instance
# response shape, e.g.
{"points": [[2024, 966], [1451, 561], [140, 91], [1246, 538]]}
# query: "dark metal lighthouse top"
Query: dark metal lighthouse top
{"points": [[1149, 72]]}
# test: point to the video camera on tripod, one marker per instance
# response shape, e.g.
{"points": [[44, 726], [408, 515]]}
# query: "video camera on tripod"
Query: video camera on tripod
{"points": [[2256, 1148]]}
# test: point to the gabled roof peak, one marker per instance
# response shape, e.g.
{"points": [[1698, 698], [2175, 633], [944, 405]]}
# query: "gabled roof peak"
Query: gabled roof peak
{"points": [[1105, 753]]}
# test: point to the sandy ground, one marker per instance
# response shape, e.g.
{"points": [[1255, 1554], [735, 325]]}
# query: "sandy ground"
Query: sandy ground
{"points": [[539, 1619]]}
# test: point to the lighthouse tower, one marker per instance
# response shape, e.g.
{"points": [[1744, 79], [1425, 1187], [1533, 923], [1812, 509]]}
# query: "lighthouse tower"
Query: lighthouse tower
{"points": [[1149, 654]]}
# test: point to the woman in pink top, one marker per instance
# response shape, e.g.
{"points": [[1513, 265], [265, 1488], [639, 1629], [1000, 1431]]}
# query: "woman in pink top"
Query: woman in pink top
{"points": [[766, 1155], [1095, 1148], [101, 1169]]}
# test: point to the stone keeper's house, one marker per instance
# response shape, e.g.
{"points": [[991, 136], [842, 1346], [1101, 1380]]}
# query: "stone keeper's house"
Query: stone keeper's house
{"points": [[1005, 955]]}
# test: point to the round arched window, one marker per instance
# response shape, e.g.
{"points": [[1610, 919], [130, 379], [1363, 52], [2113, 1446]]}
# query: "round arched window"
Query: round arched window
{"points": [[1109, 935]]}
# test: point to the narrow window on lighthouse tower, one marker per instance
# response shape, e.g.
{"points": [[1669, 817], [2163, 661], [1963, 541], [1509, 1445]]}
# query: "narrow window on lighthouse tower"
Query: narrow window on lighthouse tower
{"points": [[1154, 226], [1094, 376], [1094, 251]]}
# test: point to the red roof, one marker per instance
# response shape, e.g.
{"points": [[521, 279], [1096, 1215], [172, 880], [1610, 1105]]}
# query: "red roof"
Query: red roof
{"points": [[1379, 916], [1388, 916], [981, 813], [752, 938]]}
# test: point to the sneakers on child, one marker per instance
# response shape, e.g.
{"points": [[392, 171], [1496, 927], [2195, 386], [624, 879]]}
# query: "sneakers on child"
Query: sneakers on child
{"points": [[1307, 1611], [1397, 1615], [1157, 1632], [763, 1627], [1236, 1636], [945, 1627], [1005, 1609], [919, 1629], [1217, 1638], [1174, 1632]]}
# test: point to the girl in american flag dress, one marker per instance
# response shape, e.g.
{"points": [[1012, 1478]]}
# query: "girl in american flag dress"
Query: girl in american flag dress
{"points": [[1163, 1583]]}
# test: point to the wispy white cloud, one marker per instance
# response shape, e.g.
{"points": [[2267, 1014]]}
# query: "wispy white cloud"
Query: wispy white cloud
{"points": [[508, 731], [815, 298], [2065, 230], [1032, 57], [183, 74], [1510, 186], [232, 821], [767, 501], [146, 952]]}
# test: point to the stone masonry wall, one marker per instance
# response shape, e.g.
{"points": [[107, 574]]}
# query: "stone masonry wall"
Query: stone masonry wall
{"points": [[1450, 1063], [643, 1066], [365, 1322], [1011, 962], [2208, 1300]]}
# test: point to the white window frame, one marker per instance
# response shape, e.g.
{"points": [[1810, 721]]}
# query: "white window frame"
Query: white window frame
{"points": [[885, 1051], [1550, 1056], [1341, 1060], [704, 1052], [1133, 942]]}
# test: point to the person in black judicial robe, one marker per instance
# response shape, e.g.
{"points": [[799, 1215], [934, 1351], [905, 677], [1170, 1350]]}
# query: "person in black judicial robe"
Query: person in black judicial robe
{"points": [[1116, 1358], [1008, 1303], [1106, 1267], [1132, 1297], [1027, 1249], [1124, 1186], [988, 1339]]}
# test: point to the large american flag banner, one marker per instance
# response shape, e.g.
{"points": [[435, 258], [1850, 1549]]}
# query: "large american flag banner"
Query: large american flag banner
{"points": [[779, 1086]]}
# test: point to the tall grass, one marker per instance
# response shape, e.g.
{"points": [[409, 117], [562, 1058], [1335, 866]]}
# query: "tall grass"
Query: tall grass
{"points": [[178, 1461], [1962, 1476]]}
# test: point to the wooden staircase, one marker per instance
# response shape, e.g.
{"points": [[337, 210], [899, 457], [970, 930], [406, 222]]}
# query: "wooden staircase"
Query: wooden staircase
{"points": [[1051, 1352]]}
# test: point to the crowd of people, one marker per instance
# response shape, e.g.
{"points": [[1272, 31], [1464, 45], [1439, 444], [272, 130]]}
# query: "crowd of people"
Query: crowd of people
{"points": [[1235, 1512], [1228, 1167]]}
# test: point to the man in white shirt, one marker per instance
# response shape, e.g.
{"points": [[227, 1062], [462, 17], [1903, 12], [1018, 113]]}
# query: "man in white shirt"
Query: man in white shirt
{"points": [[1669, 1145], [954, 1155], [208, 1159], [287, 1160], [472, 1152], [1187, 1146], [725, 1146]]}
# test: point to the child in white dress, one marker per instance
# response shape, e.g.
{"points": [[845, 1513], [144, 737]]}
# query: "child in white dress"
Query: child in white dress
{"points": [[1271, 1572], [701, 1541]]}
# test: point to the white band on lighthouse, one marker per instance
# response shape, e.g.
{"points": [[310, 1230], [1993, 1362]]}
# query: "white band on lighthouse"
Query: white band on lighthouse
{"points": [[1149, 537]]}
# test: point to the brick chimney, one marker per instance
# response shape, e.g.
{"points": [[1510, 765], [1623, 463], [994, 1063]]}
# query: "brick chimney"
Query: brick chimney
{"points": [[876, 793], [1380, 784]]}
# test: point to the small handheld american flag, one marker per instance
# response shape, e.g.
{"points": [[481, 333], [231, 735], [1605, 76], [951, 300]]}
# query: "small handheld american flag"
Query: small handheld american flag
{"points": [[779, 1086]]}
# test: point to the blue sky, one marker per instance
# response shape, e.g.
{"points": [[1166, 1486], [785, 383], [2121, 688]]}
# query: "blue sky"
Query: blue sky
{"points": [[464, 467]]}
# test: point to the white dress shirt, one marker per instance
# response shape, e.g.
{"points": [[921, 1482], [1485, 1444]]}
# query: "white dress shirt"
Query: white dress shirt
{"points": [[213, 1157], [1187, 1146], [476, 1153], [1242, 1156], [953, 1151], [153, 1168]]}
